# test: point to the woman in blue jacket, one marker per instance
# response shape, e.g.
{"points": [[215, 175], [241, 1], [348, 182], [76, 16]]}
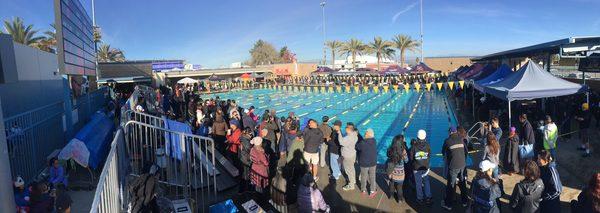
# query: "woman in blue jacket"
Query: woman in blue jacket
{"points": [[485, 189], [552, 185]]}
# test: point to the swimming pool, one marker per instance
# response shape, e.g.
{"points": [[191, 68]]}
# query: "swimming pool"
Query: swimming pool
{"points": [[387, 113]]}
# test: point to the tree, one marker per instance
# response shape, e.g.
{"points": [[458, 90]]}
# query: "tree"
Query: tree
{"points": [[21, 34], [109, 54], [354, 47], [335, 47], [286, 56], [263, 53], [404, 43], [382, 49]]}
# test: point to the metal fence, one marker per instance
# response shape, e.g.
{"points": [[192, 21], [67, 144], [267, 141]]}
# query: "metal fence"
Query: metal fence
{"points": [[86, 106], [110, 193], [32, 136]]}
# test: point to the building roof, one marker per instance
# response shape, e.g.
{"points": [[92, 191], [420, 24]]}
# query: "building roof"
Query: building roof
{"points": [[124, 69], [552, 47]]}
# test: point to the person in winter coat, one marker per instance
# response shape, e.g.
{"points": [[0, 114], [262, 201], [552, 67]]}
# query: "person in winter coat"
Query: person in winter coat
{"points": [[247, 121], [588, 200], [485, 189], [233, 137], [244, 156], [268, 123], [552, 185], [527, 194], [333, 147], [310, 198], [348, 151], [313, 138], [511, 155], [526, 133], [367, 160], [550, 136], [455, 157], [260, 165], [420, 152], [326, 130], [496, 130], [397, 157]]}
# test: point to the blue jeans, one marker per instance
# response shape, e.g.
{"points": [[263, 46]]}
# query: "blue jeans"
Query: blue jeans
{"points": [[422, 184], [335, 165]]}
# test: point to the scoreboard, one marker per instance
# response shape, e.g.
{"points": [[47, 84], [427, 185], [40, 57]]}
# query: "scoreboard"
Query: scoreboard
{"points": [[75, 38]]}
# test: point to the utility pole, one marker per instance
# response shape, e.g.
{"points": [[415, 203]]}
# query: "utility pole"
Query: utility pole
{"points": [[324, 41], [422, 58]]}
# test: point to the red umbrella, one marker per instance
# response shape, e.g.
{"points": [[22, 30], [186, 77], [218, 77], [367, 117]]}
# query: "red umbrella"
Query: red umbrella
{"points": [[246, 75]]}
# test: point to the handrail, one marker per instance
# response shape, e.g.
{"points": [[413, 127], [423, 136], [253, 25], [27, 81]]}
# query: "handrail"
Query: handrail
{"points": [[478, 124], [99, 196]]}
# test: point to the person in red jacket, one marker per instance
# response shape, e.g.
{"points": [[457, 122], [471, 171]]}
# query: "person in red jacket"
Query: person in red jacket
{"points": [[233, 137]]}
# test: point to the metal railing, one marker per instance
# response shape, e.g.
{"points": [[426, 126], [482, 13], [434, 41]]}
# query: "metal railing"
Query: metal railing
{"points": [[32, 136], [110, 195]]}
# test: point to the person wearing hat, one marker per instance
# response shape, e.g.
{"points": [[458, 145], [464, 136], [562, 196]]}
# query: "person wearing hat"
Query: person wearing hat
{"points": [[584, 119], [333, 147], [21, 195], [233, 137], [326, 130], [248, 121], [367, 160], [260, 164], [419, 155], [310, 198], [455, 157], [485, 190], [511, 155]]}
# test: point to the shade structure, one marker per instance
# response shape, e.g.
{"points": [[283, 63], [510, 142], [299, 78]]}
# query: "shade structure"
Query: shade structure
{"points": [[496, 76], [323, 71], [487, 70], [531, 82], [187, 80], [246, 75], [394, 70], [214, 77], [422, 68], [476, 68]]}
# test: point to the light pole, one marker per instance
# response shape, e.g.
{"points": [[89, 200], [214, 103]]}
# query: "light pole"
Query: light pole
{"points": [[324, 49], [422, 58]]}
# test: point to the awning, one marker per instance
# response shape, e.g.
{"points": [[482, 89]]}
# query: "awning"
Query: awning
{"points": [[134, 79], [496, 76]]}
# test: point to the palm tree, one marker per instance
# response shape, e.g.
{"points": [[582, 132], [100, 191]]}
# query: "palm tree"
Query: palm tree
{"points": [[21, 34], [382, 49], [354, 47], [404, 43], [109, 54], [335, 47], [48, 43]]}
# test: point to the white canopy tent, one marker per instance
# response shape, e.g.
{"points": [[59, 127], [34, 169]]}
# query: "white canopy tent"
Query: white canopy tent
{"points": [[187, 80]]}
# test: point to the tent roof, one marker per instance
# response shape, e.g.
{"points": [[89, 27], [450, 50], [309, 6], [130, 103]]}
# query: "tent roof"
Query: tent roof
{"points": [[487, 70], [531, 82], [187, 80], [394, 69], [496, 76], [422, 68], [476, 68], [246, 75]]}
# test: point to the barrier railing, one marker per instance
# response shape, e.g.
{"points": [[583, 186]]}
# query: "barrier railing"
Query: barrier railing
{"points": [[111, 195], [32, 136], [186, 161], [131, 115]]}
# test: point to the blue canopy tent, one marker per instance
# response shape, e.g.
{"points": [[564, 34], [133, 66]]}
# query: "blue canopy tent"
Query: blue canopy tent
{"points": [[486, 71], [498, 75], [531, 82]]}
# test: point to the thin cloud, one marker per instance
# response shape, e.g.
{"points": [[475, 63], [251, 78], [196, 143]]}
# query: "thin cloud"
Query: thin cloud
{"points": [[406, 9], [477, 11]]}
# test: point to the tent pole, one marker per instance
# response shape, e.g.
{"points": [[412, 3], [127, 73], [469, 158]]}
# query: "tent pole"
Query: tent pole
{"points": [[473, 100], [509, 116]]}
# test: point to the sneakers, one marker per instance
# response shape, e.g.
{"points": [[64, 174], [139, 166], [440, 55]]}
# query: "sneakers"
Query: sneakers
{"points": [[449, 208], [428, 201], [363, 193], [587, 154], [372, 194], [348, 187]]}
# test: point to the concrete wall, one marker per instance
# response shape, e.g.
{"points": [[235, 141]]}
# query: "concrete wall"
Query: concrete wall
{"points": [[447, 64], [37, 82]]}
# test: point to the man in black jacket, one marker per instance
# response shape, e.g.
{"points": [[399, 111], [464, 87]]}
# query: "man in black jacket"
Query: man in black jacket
{"points": [[455, 156], [367, 160], [333, 147], [526, 133], [313, 137], [420, 152]]}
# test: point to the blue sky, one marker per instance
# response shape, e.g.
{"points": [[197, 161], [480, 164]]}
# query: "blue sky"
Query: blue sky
{"points": [[216, 33]]}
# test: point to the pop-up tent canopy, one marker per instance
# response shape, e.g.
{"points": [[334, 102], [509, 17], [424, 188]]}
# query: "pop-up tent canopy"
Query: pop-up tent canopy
{"points": [[487, 70], [476, 68], [531, 82], [394, 70], [187, 80], [422, 68], [214, 77], [496, 76]]}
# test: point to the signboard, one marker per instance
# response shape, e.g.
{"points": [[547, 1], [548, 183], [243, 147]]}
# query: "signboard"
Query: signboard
{"points": [[590, 64], [167, 65], [75, 38]]}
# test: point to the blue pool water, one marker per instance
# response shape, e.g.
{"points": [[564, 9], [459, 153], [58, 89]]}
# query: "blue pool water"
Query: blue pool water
{"points": [[387, 113]]}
